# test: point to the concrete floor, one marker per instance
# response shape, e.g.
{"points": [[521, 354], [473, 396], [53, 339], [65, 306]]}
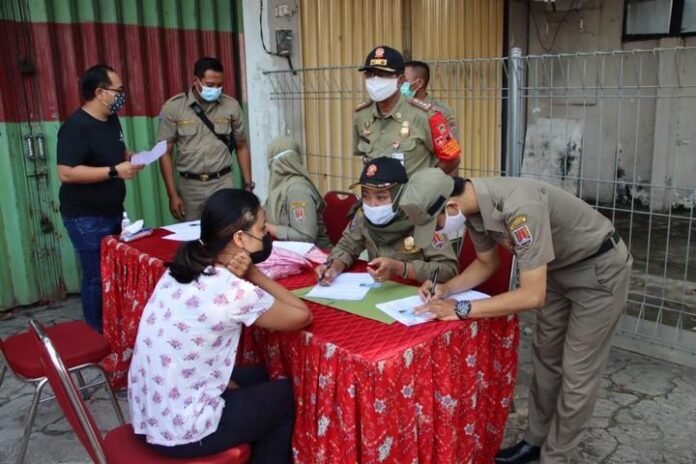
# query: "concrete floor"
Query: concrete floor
{"points": [[644, 415]]}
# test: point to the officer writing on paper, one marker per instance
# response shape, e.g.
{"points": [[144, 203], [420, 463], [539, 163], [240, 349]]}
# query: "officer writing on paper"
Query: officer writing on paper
{"points": [[573, 267], [387, 234]]}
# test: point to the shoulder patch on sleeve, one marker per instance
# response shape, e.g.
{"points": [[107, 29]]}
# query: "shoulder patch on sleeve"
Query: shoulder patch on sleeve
{"points": [[439, 240], [445, 145], [298, 210], [520, 231], [363, 105], [420, 104], [522, 236]]}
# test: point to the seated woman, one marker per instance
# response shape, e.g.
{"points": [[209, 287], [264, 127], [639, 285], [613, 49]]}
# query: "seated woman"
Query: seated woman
{"points": [[294, 206], [387, 234], [186, 396]]}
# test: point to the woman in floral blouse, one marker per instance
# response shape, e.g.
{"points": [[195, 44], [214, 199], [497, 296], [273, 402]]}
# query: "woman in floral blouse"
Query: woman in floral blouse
{"points": [[186, 397]]}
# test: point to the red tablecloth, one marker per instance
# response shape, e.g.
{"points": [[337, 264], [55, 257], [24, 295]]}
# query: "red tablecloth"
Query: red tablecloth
{"points": [[365, 391]]}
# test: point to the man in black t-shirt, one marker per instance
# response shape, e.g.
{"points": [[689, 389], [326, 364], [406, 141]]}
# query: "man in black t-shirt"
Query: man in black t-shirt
{"points": [[92, 164]]}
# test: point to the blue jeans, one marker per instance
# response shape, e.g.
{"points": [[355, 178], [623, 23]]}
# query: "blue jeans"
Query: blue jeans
{"points": [[86, 234]]}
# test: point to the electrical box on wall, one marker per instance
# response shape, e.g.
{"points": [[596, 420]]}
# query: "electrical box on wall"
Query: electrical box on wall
{"points": [[282, 24], [283, 42]]}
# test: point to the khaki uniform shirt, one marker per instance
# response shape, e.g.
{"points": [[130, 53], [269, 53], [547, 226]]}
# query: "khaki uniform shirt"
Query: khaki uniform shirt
{"points": [[439, 254], [540, 223], [403, 134], [301, 218], [199, 151]]}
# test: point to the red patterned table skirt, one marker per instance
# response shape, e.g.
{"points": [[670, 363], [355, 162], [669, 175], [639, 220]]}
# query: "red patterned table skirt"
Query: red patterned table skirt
{"points": [[364, 391]]}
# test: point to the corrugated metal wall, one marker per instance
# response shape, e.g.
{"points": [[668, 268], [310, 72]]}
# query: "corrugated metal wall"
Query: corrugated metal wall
{"points": [[47, 44], [446, 29], [339, 33]]}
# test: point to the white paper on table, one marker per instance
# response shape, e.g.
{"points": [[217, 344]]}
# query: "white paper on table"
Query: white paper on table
{"points": [[348, 286], [184, 231], [150, 156], [184, 237], [301, 248], [133, 228], [353, 278], [403, 309], [184, 227]]}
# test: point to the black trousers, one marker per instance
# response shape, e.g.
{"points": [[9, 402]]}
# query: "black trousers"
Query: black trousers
{"points": [[260, 412]]}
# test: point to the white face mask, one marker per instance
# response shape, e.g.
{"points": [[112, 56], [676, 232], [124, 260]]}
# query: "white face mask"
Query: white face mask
{"points": [[381, 88], [453, 224], [379, 215]]}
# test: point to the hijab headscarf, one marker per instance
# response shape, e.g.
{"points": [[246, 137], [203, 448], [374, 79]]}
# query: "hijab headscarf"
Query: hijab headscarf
{"points": [[286, 168]]}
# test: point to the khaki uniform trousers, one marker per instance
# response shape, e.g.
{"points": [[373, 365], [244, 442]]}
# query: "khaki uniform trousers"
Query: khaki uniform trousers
{"points": [[571, 346], [194, 192]]}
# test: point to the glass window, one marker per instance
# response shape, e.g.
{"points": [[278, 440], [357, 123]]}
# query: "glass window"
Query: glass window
{"points": [[689, 17], [648, 16]]}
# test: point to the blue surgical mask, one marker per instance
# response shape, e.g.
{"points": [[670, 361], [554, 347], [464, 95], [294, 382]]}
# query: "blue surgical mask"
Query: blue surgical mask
{"points": [[210, 94], [379, 215], [407, 91]]}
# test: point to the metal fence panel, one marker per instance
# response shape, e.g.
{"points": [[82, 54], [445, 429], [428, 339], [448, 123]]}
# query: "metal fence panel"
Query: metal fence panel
{"points": [[614, 128]]}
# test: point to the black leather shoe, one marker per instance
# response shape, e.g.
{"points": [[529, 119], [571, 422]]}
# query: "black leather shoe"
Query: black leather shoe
{"points": [[521, 453]]}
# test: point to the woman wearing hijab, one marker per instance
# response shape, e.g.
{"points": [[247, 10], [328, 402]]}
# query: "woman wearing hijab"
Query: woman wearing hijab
{"points": [[294, 207]]}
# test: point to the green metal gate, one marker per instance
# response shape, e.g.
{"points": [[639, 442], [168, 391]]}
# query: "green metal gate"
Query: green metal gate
{"points": [[46, 45]]}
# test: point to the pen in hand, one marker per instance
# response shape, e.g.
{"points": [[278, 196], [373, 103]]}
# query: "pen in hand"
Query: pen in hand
{"points": [[328, 266], [433, 280]]}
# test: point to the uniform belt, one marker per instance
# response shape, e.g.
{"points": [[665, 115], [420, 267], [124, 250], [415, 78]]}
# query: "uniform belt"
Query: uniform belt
{"points": [[205, 177], [606, 245]]}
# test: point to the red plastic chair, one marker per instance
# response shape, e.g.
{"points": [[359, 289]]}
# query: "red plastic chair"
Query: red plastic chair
{"points": [[338, 205], [501, 280], [120, 445], [81, 347]]}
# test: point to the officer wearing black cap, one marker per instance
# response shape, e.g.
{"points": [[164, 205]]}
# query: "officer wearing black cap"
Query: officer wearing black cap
{"points": [[387, 234], [406, 129]]}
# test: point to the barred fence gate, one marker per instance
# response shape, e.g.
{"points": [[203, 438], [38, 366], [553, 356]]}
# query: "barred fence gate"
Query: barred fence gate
{"points": [[616, 128]]}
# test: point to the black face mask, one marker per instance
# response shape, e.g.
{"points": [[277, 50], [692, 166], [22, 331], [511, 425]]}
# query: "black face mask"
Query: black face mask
{"points": [[263, 254]]}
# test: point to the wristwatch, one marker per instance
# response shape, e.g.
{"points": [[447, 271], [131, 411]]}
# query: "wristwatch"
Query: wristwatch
{"points": [[462, 309], [250, 185], [113, 173]]}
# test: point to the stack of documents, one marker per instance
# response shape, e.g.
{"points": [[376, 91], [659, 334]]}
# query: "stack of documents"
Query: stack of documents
{"points": [[135, 231]]}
